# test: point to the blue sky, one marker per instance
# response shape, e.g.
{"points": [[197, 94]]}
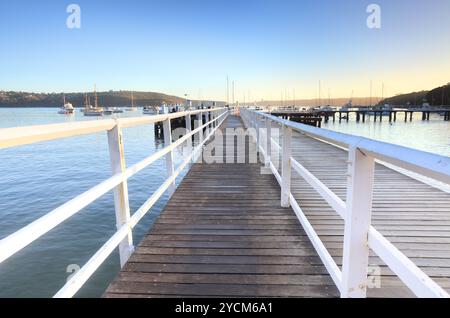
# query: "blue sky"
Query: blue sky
{"points": [[266, 47]]}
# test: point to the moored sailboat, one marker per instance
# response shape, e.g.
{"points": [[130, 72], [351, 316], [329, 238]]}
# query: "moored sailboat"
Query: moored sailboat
{"points": [[150, 110], [67, 107], [93, 111], [132, 108]]}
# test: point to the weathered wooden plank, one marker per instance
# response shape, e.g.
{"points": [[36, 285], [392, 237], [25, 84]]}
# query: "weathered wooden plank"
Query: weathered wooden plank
{"points": [[265, 279], [236, 290]]}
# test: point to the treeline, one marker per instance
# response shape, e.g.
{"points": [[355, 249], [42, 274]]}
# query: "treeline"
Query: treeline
{"points": [[435, 97], [110, 98]]}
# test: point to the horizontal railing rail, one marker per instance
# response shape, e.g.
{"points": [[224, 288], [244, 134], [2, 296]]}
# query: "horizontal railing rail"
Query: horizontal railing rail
{"points": [[125, 221], [17, 136], [359, 234]]}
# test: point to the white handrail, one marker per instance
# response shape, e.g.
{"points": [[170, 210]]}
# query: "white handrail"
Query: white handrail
{"points": [[332, 199], [21, 238], [428, 164], [24, 135], [403, 267], [324, 255], [16, 136], [359, 234]]}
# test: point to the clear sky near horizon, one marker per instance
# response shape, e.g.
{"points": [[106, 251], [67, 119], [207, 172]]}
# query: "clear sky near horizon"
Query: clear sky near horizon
{"points": [[268, 47]]}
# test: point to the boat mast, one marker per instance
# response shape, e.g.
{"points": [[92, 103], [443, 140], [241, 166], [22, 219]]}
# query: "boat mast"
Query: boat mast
{"points": [[319, 93], [228, 92], [293, 95], [132, 100], [233, 94], [95, 93]]}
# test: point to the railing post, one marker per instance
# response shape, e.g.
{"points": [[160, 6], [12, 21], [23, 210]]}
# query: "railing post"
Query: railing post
{"points": [[204, 121], [169, 155], [199, 123], [258, 136], [355, 260], [268, 148], [255, 126], [286, 166], [187, 119], [207, 119], [121, 202]]}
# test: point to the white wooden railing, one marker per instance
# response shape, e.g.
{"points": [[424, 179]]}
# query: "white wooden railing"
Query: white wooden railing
{"points": [[359, 234], [125, 221]]}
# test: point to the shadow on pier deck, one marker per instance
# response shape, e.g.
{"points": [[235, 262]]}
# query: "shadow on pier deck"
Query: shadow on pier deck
{"points": [[223, 233]]}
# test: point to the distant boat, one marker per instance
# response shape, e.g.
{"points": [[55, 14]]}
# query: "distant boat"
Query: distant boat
{"points": [[426, 106], [93, 111], [132, 108], [150, 110], [67, 108], [107, 111], [327, 108], [347, 106], [385, 110], [117, 110]]}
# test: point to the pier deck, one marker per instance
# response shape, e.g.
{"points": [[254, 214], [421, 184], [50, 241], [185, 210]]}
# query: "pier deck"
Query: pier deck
{"points": [[223, 232]]}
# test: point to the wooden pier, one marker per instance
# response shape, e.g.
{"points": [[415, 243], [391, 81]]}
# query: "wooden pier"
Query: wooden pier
{"points": [[307, 118], [316, 117], [223, 232]]}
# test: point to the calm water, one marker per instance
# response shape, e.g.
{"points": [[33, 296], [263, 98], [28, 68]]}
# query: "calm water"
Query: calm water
{"points": [[432, 136], [38, 178]]}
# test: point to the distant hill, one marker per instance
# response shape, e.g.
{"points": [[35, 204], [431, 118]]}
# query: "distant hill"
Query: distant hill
{"points": [[435, 97], [110, 98], [439, 96], [412, 99]]}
